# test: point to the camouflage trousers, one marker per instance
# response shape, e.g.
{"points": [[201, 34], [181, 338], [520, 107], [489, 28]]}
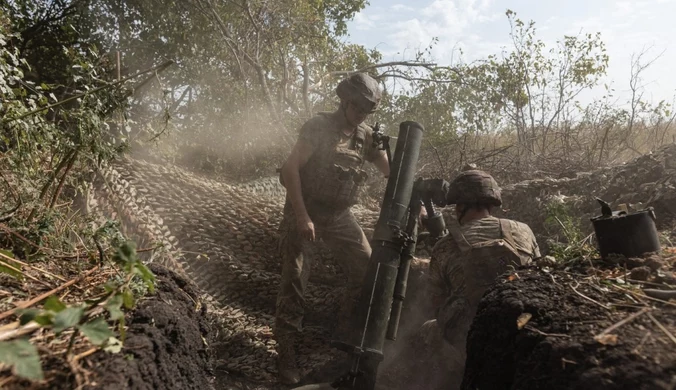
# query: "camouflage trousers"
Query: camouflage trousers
{"points": [[343, 235]]}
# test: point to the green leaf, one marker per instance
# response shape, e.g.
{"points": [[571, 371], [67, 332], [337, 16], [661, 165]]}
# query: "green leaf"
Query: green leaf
{"points": [[54, 304], [41, 317], [121, 329], [146, 275], [44, 319], [9, 267], [109, 286], [126, 253], [113, 306], [96, 331], [66, 318], [128, 299], [28, 315], [23, 357]]}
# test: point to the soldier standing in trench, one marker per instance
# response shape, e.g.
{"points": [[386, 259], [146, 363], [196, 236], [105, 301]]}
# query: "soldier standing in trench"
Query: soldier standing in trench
{"points": [[322, 176]]}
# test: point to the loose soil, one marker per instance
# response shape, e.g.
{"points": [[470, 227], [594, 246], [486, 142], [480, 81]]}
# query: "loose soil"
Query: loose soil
{"points": [[167, 345], [556, 349]]}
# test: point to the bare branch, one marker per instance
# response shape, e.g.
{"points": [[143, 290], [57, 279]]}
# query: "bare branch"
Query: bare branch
{"points": [[262, 77], [306, 87], [410, 78], [411, 64]]}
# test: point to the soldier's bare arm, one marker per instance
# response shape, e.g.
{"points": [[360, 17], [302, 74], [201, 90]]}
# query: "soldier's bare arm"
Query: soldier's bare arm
{"points": [[381, 163], [291, 175]]}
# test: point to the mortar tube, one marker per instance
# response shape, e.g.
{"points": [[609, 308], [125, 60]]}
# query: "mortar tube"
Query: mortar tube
{"points": [[375, 302], [404, 266]]}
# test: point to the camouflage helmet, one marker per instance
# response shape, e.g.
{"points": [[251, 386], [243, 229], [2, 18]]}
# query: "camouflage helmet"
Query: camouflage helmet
{"points": [[360, 88], [474, 187]]}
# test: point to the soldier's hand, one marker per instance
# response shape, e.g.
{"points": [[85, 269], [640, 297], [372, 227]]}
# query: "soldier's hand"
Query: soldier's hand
{"points": [[422, 216], [306, 229]]}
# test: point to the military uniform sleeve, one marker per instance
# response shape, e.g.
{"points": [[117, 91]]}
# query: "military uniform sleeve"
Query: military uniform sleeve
{"points": [[536, 248], [439, 263], [523, 239], [435, 278], [310, 132], [453, 314]]}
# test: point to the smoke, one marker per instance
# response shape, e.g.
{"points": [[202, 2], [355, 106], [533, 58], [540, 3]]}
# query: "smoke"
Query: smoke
{"points": [[419, 358], [212, 130]]}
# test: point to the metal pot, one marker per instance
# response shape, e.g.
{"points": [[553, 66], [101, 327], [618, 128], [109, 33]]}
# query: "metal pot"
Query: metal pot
{"points": [[627, 234]]}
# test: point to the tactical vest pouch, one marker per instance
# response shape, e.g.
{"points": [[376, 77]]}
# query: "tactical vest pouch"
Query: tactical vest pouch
{"points": [[333, 176], [339, 188], [483, 262]]}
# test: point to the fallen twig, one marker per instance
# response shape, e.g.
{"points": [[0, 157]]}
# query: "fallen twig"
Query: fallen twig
{"points": [[40, 297], [22, 238], [78, 255], [85, 354], [17, 332], [33, 278], [59, 187], [10, 214], [662, 328], [648, 283], [587, 298], [644, 296], [565, 230], [623, 322], [638, 348], [553, 280], [564, 361], [33, 267]]}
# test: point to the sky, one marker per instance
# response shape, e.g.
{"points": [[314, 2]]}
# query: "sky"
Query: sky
{"points": [[480, 28]]}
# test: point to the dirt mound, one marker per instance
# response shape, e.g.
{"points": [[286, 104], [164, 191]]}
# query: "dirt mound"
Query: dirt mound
{"points": [[166, 345], [647, 181], [557, 349]]}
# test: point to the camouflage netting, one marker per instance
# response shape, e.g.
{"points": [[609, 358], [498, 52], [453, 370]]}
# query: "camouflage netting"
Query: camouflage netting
{"points": [[224, 238]]}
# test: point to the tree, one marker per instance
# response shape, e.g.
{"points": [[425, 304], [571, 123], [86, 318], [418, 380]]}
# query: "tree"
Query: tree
{"points": [[247, 72]]}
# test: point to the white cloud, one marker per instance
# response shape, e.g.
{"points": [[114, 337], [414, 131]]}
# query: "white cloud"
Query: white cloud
{"points": [[364, 22], [451, 21], [401, 8], [479, 28]]}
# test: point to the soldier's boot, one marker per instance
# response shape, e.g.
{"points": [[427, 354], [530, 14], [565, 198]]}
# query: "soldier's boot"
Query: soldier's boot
{"points": [[289, 374]]}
